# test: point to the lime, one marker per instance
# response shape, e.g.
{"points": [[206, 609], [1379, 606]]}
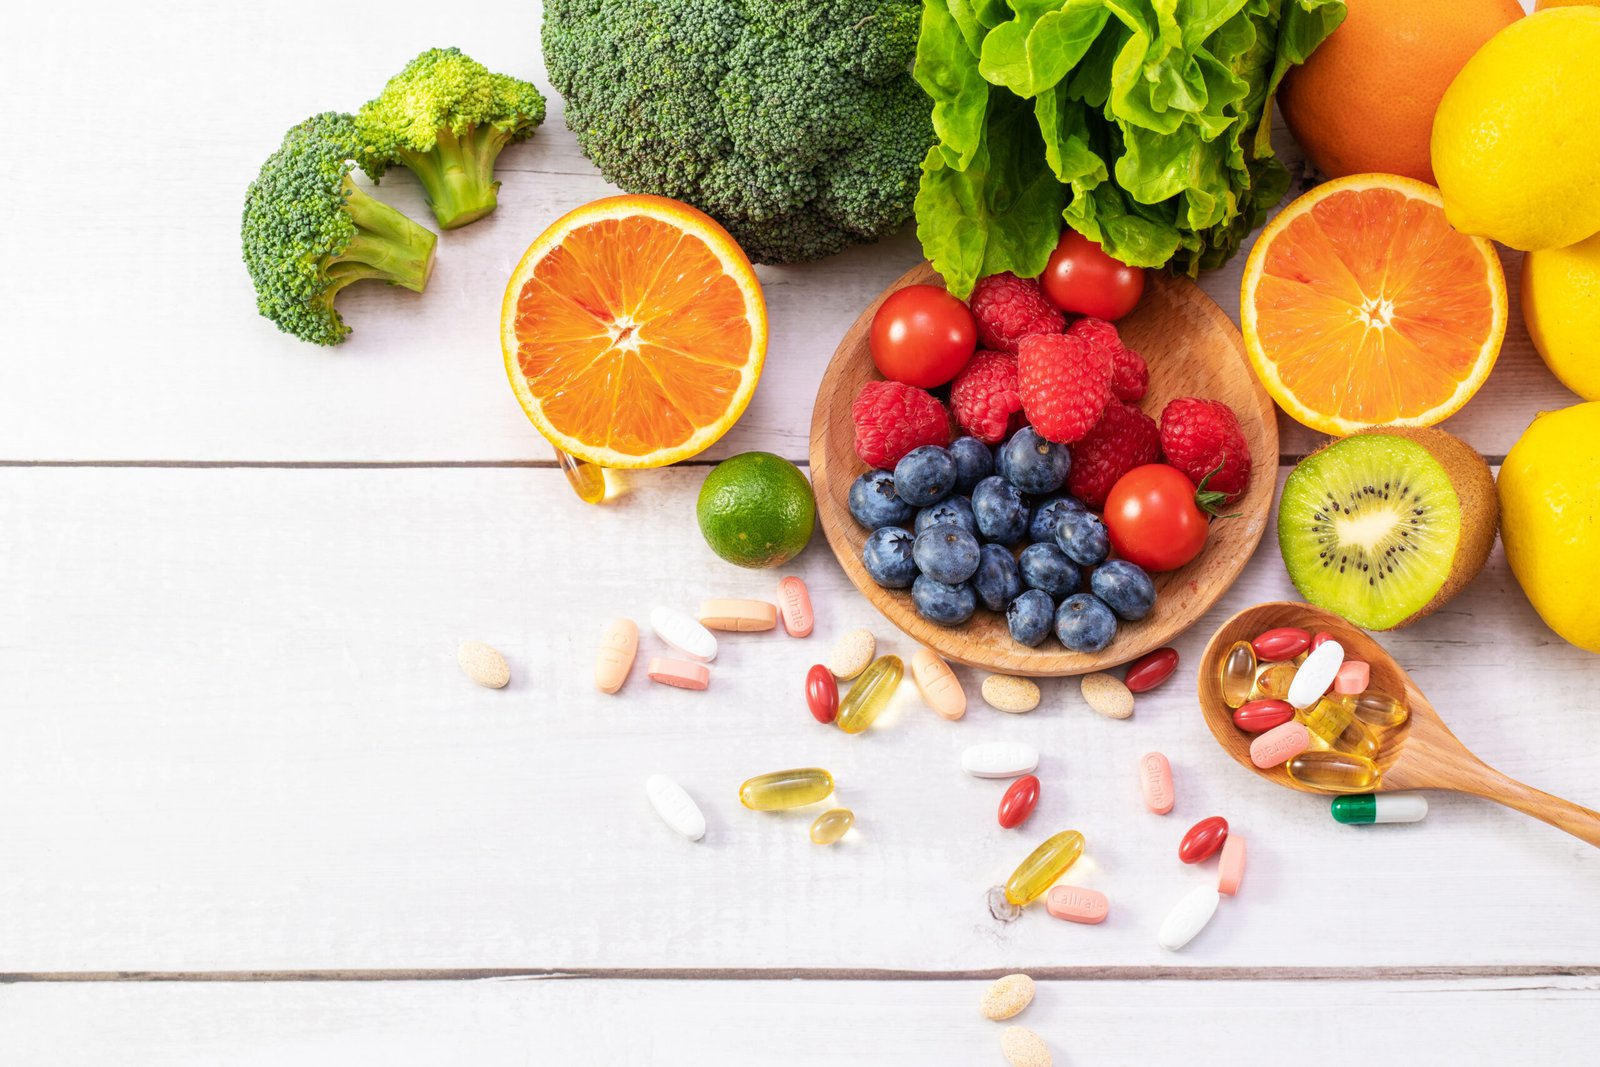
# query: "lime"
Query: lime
{"points": [[756, 510]]}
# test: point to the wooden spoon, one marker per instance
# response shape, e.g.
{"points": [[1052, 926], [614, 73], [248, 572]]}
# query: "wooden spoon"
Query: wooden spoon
{"points": [[1420, 753]]}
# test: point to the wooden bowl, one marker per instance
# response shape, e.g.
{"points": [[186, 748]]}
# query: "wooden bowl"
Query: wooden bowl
{"points": [[1193, 350], [1420, 753]]}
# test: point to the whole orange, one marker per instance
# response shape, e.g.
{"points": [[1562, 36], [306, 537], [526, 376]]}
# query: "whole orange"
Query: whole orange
{"points": [[1365, 99]]}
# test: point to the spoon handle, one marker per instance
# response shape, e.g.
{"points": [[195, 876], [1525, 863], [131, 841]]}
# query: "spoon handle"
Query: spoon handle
{"points": [[1482, 780]]}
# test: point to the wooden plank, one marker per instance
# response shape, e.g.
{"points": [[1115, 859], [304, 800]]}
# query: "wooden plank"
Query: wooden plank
{"points": [[162, 357], [1482, 1021], [234, 736]]}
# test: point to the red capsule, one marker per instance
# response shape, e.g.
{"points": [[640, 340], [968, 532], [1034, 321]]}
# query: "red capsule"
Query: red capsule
{"points": [[1149, 671], [1286, 642], [822, 694], [1203, 839], [1259, 716], [1322, 635], [1017, 804]]}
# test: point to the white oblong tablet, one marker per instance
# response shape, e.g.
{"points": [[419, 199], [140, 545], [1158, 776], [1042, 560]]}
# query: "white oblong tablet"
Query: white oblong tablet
{"points": [[1188, 917], [683, 633], [1316, 674], [675, 806], [1000, 759]]}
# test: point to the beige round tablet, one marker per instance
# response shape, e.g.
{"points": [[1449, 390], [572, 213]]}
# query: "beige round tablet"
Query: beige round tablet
{"points": [[1004, 692], [1007, 997], [1106, 694], [1023, 1048], [851, 653]]}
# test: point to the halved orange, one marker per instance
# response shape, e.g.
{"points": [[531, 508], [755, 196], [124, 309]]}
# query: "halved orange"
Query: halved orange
{"points": [[1362, 307], [634, 332]]}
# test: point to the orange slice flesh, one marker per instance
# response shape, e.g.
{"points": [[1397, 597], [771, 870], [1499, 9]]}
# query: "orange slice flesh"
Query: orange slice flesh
{"points": [[634, 332], [1362, 307]]}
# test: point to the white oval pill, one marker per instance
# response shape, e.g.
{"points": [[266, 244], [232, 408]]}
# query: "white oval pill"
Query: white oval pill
{"points": [[1000, 759], [675, 806], [1316, 674], [684, 634], [1188, 917]]}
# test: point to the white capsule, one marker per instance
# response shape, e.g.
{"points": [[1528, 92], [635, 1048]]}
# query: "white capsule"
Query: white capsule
{"points": [[1316, 674], [1000, 759], [683, 633], [675, 806], [1188, 917]]}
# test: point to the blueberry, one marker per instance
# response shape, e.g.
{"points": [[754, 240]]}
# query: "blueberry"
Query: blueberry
{"points": [[997, 581], [1047, 567], [954, 510], [974, 462], [1033, 464], [887, 555], [1084, 624], [925, 476], [1046, 513], [1001, 512], [1028, 617], [946, 554], [1125, 587], [874, 502], [1083, 538], [947, 605]]}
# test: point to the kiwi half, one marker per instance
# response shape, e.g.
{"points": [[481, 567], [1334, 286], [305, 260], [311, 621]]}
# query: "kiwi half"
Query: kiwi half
{"points": [[1386, 525]]}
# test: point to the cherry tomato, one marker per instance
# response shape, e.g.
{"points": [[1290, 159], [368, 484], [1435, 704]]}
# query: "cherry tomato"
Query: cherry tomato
{"points": [[1153, 519], [922, 336], [1082, 279]]}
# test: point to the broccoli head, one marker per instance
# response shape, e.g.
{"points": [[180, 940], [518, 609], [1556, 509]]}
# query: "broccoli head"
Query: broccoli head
{"points": [[445, 118], [308, 232], [795, 123]]}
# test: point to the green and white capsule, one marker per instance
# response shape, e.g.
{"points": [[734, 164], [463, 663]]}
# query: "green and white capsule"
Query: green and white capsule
{"points": [[1365, 808]]}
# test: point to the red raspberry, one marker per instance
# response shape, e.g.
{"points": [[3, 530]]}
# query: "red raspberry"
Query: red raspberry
{"points": [[1009, 308], [984, 397], [891, 419], [1065, 384], [1123, 439], [1202, 439], [1130, 375]]}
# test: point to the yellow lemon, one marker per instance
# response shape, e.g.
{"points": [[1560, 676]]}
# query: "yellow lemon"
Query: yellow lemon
{"points": [[1514, 147], [1550, 519], [1561, 306], [1540, 5]]}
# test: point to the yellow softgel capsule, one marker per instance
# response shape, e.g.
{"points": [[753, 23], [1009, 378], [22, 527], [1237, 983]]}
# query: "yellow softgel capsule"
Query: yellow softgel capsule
{"points": [[870, 694], [1327, 718], [1379, 709], [786, 789], [1336, 772], [1237, 673], [1272, 682], [1356, 740], [1043, 866], [832, 825]]}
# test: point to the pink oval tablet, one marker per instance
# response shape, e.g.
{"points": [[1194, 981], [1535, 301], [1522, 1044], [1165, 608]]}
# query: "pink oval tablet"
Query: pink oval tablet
{"points": [[938, 684], [1353, 677], [615, 658], [1279, 745], [681, 673], [1230, 868], [1155, 782], [794, 599], [742, 616], [1076, 904]]}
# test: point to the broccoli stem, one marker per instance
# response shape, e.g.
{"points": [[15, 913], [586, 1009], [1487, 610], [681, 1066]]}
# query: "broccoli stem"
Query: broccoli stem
{"points": [[458, 175], [387, 245]]}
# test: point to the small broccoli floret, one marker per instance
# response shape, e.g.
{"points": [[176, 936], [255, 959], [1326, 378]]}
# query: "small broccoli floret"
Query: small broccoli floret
{"points": [[794, 123], [445, 118], [308, 232]]}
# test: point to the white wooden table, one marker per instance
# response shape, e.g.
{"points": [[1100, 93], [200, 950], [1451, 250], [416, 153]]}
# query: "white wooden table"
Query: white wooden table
{"points": [[251, 813]]}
